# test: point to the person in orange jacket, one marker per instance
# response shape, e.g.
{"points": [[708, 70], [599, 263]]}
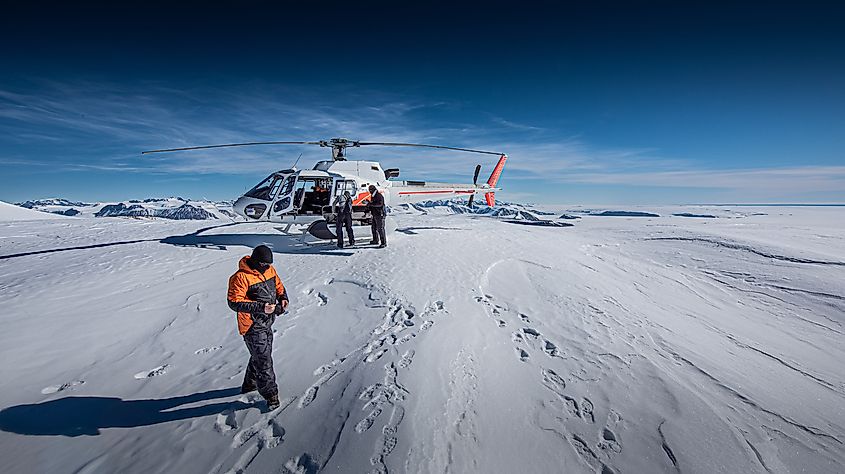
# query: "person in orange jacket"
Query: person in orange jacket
{"points": [[258, 295]]}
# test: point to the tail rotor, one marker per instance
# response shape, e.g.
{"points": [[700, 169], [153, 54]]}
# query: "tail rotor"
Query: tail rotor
{"points": [[475, 182]]}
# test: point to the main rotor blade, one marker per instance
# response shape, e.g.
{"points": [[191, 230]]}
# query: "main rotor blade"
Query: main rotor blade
{"points": [[431, 146], [228, 145]]}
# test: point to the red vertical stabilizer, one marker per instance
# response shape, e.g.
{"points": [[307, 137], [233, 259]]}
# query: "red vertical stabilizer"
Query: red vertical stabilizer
{"points": [[497, 171], [493, 179]]}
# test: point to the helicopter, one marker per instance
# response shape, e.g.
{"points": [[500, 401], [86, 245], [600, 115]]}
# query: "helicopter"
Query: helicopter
{"points": [[293, 196]]}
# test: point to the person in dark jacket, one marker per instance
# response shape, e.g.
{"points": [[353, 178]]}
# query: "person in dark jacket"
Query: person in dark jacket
{"points": [[376, 208], [343, 211], [258, 295]]}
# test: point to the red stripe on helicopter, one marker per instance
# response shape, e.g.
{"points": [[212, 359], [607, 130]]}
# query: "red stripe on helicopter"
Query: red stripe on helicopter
{"points": [[435, 192]]}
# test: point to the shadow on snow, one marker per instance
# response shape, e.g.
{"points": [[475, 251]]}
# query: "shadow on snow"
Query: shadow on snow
{"points": [[279, 243], [77, 416]]}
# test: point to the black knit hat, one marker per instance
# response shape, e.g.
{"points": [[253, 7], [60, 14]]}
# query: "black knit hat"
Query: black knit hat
{"points": [[262, 254]]}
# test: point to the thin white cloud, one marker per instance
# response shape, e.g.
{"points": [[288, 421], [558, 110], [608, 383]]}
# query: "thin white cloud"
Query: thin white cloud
{"points": [[802, 179], [105, 127]]}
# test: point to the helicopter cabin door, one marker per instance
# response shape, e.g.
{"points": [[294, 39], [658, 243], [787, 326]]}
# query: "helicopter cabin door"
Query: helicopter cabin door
{"points": [[282, 201], [310, 195]]}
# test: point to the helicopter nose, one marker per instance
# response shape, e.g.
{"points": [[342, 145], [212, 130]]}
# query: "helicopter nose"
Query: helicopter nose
{"points": [[240, 206]]}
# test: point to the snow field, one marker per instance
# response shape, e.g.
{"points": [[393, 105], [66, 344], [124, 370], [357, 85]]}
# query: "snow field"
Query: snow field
{"points": [[468, 345]]}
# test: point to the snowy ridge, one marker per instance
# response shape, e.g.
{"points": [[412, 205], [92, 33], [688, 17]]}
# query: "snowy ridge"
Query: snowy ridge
{"points": [[459, 206], [11, 212]]}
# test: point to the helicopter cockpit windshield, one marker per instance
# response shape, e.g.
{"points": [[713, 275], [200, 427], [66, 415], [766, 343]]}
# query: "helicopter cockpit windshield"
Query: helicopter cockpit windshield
{"points": [[266, 189]]}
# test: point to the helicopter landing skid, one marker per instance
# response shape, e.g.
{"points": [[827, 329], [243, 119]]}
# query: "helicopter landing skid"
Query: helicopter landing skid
{"points": [[320, 229]]}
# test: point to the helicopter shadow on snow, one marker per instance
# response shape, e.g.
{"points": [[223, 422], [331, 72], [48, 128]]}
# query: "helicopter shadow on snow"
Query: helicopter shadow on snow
{"points": [[78, 416], [286, 244]]}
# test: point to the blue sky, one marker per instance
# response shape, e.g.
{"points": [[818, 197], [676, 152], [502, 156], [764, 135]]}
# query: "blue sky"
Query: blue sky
{"points": [[598, 104]]}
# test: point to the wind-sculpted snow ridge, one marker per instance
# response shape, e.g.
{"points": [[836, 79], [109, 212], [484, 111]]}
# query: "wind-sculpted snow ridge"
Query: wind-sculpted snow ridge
{"points": [[747, 248], [11, 212], [467, 345], [689, 214]]}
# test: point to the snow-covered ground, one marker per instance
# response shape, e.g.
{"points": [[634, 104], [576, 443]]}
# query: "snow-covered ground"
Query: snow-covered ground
{"points": [[470, 344]]}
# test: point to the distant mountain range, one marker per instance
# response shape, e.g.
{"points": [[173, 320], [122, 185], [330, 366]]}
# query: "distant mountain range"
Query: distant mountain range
{"points": [[178, 208], [175, 208], [505, 210]]}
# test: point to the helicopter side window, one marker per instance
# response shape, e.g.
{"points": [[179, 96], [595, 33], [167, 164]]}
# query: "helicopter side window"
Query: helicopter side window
{"points": [[342, 186], [288, 186], [263, 189]]}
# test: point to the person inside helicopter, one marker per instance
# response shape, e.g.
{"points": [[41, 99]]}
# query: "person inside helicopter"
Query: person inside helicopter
{"points": [[310, 196]]}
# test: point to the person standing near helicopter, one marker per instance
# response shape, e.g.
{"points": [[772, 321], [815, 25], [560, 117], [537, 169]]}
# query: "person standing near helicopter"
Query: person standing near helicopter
{"points": [[343, 212], [376, 207]]}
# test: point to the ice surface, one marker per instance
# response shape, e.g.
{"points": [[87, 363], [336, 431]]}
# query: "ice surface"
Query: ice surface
{"points": [[467, 345]]}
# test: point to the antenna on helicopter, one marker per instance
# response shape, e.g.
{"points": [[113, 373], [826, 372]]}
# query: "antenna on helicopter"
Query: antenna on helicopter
{"points": [[297, 161]]}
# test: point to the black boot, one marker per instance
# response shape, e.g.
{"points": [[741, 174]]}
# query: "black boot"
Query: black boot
{"points": [[273, 401]]}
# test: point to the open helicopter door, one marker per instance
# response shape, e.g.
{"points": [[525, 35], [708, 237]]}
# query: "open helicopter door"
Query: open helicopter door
{"points": [[282, 202]]}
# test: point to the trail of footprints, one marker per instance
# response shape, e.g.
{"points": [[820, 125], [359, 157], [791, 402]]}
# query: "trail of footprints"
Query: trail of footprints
{"points": [[607, 442], [380, 400], [526, 337], [386, 396]]}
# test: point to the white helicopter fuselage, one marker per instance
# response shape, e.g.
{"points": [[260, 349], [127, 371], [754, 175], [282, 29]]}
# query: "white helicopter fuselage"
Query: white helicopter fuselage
{"points": [[303, 196]]}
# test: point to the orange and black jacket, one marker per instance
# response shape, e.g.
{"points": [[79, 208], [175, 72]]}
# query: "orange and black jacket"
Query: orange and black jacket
{"points": [[249, 290]]}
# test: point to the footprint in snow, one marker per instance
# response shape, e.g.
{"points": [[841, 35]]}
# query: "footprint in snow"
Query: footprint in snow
{"points": [[375, 356], [160, 370], [550, 349], [587, 410], [407, 357], [531, 332], [368, 421], [62, 387], [206, 350], [501, 323], [427, 325], [553, 381], [301, 465], [523, 356], [309, 396], [608, 442], [226, 421], [571, 406]]}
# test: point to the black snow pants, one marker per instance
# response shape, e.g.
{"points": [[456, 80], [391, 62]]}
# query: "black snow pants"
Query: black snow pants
{"points": [[344, 220], [259, 372], [378, 229]]}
